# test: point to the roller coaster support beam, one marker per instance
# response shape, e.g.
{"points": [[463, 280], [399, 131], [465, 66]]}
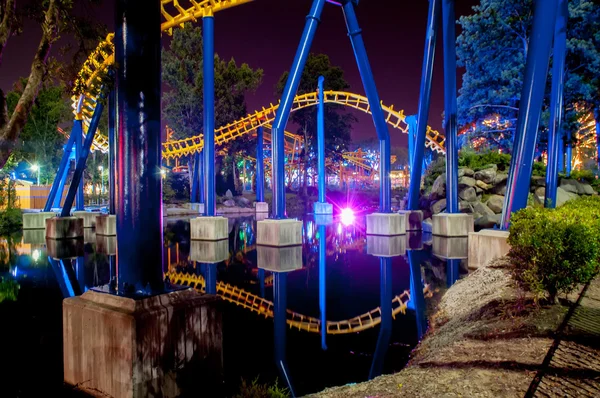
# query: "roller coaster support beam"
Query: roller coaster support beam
{"points": [[112, 147], [139, 193], [323, 284], [63, 168], [78, 151], [208, 32], [597, 123], [201, 190], [75, 189], [417, 300], [280, 321], [569, 154], [285, 106], [195, 179], [418, 149], [362, 60], [211, 278], [260, 165], [321, 206], [532, 97], [452, 271], [556, 102], [450, 126], [561, 153], [385, 333]]}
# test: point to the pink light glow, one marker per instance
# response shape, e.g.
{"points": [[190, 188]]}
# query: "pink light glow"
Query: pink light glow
{"points": [[347, 216]]}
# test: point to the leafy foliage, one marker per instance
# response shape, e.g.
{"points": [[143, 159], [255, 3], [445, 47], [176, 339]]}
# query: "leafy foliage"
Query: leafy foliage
{"points": [[9, 290], [476, 161], [256, 390], [176, 188]]}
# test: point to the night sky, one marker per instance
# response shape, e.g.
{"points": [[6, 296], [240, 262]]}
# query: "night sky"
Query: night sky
{"points": [[265, 34]]}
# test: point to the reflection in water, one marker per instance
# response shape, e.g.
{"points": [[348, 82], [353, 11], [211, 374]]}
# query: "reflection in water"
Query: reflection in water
{"points": [[452, 270], [323, 284], [417, 299], [385, 331], [280, 323]]}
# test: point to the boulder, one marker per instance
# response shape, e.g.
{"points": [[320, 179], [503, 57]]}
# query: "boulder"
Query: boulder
{"points": [[486, 175], [228, 194], [465, 171], [465, 181], [487, 221], [489, 166], [563, 196], [482, 209], [478, 190], [538, 200], [500, 178], [540, 191], [465, 207], [229, 203], [495, 203], [499, 189], [538, 181], [483, 185], [587, 189], [243, 201], [570, 185], [439, 206], [439, 186], [468, 194]]}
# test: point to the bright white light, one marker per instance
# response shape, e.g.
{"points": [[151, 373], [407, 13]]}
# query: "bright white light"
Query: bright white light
{"points": [[347, 216], [163, 172], [35, 255], [100, 168], [35, 167]]}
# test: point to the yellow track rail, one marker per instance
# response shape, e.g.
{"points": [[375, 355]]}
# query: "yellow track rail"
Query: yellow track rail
{"points": [[295, 320]]}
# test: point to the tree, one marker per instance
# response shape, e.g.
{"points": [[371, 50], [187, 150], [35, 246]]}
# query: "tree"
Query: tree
{"points": [[338, 123]]}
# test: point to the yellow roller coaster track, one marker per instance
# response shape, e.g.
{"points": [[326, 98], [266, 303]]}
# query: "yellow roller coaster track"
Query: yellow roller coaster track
{"points": [[295, 320]]}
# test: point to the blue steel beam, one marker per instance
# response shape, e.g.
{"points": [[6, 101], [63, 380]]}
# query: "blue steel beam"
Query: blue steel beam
{"points": [[195, 179], [418, 149], [411, 122], [208, 32], [78, 151], [597, 123], [285, 106], [63, 167], [569, 154], [556, 102], [323, 284], [112, 147], [532, 97], [321, 141], [385, 331], [201, 169], [260, 166], [452, 271], [211, 278], [450, 126], [364, 68]]}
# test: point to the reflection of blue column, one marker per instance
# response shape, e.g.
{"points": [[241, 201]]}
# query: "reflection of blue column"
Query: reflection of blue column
{"points": [[78, 150], [65, 277], [280, 321], [56, 191], [261, 281], [424, 101], [112, 147], [323, 284], [260, 166], [208, 31], [112, 264], [211, 278], [452, 271], [417, 300], [364, 68], [385, 333], [80, 272], [532, 97], [321, 141]]}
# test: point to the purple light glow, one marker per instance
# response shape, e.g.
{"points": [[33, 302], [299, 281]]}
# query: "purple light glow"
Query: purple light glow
{"points": [[347, 216]]}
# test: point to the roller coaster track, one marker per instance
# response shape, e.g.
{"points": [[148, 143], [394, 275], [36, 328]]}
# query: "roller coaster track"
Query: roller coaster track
{"points": [[295, 320]]}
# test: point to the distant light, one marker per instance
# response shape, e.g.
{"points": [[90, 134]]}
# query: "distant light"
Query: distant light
{"points": [[100, 168], [163, 172], [347, 216], [35, 167], [35, 255]]}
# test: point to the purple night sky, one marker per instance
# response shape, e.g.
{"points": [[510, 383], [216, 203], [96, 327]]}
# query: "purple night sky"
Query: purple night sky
{"points": [[265, 34]]}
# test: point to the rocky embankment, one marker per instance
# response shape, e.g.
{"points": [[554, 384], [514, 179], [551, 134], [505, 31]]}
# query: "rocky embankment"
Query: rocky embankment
{"points": [[481, 193]]}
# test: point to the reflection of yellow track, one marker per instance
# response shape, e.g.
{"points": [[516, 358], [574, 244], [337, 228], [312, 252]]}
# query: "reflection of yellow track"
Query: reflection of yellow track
{"points": [[264, 307]]}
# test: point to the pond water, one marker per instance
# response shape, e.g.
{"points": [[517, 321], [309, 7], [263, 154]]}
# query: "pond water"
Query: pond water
{"points": [[375, 307]]}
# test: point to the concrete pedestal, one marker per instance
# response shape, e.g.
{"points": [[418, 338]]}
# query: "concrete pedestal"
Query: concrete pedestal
{"points": [[386, 246], [64, 248], [279, 259], [106, 225], [261, 207], [386, 224], [323, 208], [261, 216], [106, 245], [199, 207], [204, 251], [279, 233], [64, 228], [414, 219], [34, 236], [36, 220], [486, 245], [450, 247], [458, 224], [89, 218], [209, 228], [166, 345]]}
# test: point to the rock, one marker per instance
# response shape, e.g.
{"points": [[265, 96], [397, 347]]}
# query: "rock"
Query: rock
{"points": [[500, 178], [229, 203], [478, 190], [587, 189], [439, 206], [499, 189], [486, 175], [563, 196], [538, 200], [487, 221], [540, 191], [538, 181], [490, 166], [243, 201], [571, 185], [495, 203], [468, 194], [483, 185], [228, 194], [482, 209], [466, 182], [439, 186], [465, 207], [465, 171]]}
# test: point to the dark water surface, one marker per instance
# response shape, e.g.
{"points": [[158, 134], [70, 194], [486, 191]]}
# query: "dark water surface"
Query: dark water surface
{"points": [[357, 284]]}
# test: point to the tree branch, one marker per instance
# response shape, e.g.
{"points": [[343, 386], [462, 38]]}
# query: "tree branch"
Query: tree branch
{"points": [[8, 12]]}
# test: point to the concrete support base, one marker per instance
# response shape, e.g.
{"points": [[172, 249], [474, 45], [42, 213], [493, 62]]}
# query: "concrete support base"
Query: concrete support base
{"points": [[487, 245], [204, 251], [445, 224], [34, 236], [64, 228], [65, 248], [168, 345], [261, 207], [106, 225], [89, 218], [199, 207], [450, 247], [386, 246], [209, 228], [106, 245], [414, 219], [261, 216], [386, 224], [37, 220], [279, 233], [279, 259], [323, 208]]}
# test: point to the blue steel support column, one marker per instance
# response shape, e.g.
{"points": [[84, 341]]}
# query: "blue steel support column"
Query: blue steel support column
{"points": [[195, 179], [597, 123], [385, 333], [321, 141], [364, 68], [112, 147], [201, 178], [450, 127], [211, 278], [261, 282], [59, 180], [532, 96], [561, 153], [416, 168], [452, 271], [260, 166], [208, 32], [139, 188], [411, 121], [569, 154], [283, 112], [78, 150], [323, 284], [61, 186], [556, 102]]}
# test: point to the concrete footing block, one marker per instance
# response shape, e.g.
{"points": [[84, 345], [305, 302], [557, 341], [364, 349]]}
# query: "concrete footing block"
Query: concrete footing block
{"points": [[89, 218], [448, 248], [121, 347], [34, 236], [106, 244], [204, 251], [199, 207], [37, 220], [64, 228], [487, 245], [386, 224], [261, 207], [209, 228], [279, 233], [414, 219], [261, 216], [279, 259], [106, 225], [323, 208], [452, 224], [386, 246], [64, 248]]}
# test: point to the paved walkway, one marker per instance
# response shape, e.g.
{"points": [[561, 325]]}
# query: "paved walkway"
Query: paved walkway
{"points": [[572, 366]]}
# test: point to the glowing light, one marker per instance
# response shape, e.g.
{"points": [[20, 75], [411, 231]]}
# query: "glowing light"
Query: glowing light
{"points": [[35, 255], [347, 216], [35, 167]]}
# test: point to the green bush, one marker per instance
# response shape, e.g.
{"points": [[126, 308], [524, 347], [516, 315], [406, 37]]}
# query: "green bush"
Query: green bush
{"points": [[255, 390], [477, 161], [435, 169], [583, 176], [9, 290], [555, 250], [11, 220], [539, 169], [176, 188]]}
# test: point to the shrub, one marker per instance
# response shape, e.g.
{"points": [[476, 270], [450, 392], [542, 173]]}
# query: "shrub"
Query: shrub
{"points": [[255, 390], [11, 220], [477, 161], [435, 169], [555, 250], [539, 169], [584, 176], [176, 188]]}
